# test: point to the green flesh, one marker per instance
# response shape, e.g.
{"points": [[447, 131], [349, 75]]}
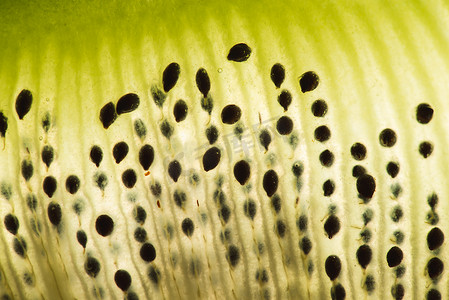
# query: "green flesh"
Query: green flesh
{"points": [[376, 62]]}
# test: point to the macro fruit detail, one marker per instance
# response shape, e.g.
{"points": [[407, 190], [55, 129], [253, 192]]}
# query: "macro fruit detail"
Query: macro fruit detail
{"points": [[259, 150]]}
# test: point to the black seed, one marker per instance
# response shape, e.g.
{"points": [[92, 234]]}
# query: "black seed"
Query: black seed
{"points": [[31, 202], [187, 227], [211, 158], [396, 190], [92, 266], [284, 125], [332, 266], [27, 169], [3, 124], [20, 246], [46, 122], [432, 200], [212, 134], [332, 226], [396, 214], [166, 129], [54, 213], [265, 139], [281, 228], [319, 108], [120, 151], [393, 169], [108, 115], [270, 182], [302, 223], [433, 294], [367, 216], [28, 279], [297, 168], [156, 189], [394, 256], [322, 133], [101, 180], [104, 225], [435, 238], [140, 129], [207, 104], [82, 238], [370, 283], [424, 113], [170, 76], [230, 114], [327, 158], [158, 96], [435, 267], [262, 276], [425, 149], [358, 171], [285, 99], [277, 74], [387, 138], [129, 178], [233, 255], [139, 214], [23, 103], [364, 255], [239, 52], [250, 208], [180, 110], [140, 234], [96, 155], [47, 155], [154, 274], [146, 156], [358, 151], [366, 186], [338, 292], [328, 188], [49, 185], [276, 203], [122, 280], [365, 235], [11, 223], [224, 213], [305, 245], [174, 170], [148, 252], [72, 184], [397, 291], [242, 172], [309, 81], [180, 198], [203, 81], [127, 103]]}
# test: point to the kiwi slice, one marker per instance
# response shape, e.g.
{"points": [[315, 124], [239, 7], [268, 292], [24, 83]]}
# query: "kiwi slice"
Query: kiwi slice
{"points": [[218, 150]]}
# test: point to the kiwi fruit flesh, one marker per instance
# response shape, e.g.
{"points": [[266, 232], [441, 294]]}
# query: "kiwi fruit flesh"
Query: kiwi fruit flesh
{"points": [[259, 150]]}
